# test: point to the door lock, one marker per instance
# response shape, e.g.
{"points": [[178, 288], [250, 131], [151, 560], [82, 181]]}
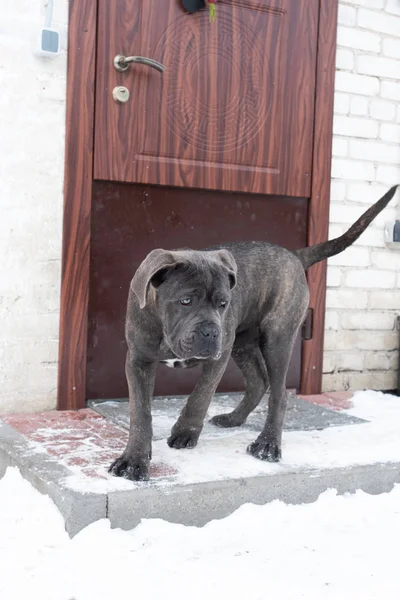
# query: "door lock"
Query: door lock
{"points": [[120, 94]]}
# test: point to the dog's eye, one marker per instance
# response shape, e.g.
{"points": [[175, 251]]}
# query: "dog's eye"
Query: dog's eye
{"points": [[223, 304], [186, 301]]}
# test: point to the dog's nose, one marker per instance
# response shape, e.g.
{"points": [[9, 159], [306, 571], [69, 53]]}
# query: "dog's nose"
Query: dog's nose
{"points": [[208, 330]]}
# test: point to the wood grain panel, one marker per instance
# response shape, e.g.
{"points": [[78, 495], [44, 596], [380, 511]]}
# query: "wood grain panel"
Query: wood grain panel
{"points": [[234, 109], [320, 191], [77, 204]]}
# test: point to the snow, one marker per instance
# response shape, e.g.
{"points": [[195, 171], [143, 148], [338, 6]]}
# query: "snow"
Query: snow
{"points": [[338, 548], [377, 440]]}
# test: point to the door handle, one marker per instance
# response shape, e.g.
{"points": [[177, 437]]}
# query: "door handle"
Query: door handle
{"points": [[121, 63]]}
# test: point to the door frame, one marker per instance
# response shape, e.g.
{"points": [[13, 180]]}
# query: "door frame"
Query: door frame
{"points": [[79, 150]]}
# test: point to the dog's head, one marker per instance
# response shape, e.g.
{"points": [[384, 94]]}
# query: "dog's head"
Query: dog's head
{"points": [[192, 296]]}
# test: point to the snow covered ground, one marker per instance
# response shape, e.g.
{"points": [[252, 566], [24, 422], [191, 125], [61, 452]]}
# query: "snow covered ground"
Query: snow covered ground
{"points": [[342, 548], [338, 547]]}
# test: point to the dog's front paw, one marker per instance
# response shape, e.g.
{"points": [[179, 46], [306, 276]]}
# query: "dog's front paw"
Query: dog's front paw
{"points": [[183, 438], [270, 451], [227, 420], [130, 468]]}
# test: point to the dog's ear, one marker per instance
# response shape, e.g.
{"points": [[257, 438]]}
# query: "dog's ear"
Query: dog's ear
{"points": [[152, 270], [228, 261]]}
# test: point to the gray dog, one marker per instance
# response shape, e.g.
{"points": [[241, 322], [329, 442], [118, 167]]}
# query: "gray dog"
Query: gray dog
{"points": [[246, 300]]}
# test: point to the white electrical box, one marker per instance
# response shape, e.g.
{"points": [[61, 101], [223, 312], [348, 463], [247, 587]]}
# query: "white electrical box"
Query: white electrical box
{"points": [[47, 42], [392, 234]]}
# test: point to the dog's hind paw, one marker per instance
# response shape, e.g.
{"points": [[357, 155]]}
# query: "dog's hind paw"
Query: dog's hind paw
{"points": [[185, 438], [226, 420], [129, 468], [269, 451]]}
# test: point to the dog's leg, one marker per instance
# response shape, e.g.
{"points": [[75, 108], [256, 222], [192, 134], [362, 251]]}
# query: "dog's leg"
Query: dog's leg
{"points": [[134, 462], [278, 335], [186, 431], [251, 363], [277, 350]]}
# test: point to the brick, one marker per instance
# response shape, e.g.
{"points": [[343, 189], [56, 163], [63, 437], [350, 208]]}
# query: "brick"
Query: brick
{"points": [[41, 327], [349, 361], [353, 169], [390, 90], [372, 237], [361, 340], [388, 175], [393, 360], [345, 213], [347, 299], [391, 47], [347, 15], [390, 133], [382, 110], [358, 39], [377, 361], [334, 381], [374, 150], [366, 3], [386, 259], [369, 279], [355, 127], [372, 320], [332, 320], [384, 300], [339, 147], [378, 66], [393, 6], [351, 257], [344, 59], [336, 230], [359, 106], [338, 190], [333, 276], [341, 103], [353, 83], [374, 380], [378, 21], [328, 365], [346, 381], [364, 193]]}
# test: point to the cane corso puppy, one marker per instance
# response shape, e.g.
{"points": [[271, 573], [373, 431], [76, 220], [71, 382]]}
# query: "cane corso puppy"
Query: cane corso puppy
{"points": [[187, 307]]}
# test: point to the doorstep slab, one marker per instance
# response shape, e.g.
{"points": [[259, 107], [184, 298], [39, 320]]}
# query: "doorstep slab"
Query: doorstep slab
{"points": [[66, 455], [301, 414], [197, 504], [47, 475]]}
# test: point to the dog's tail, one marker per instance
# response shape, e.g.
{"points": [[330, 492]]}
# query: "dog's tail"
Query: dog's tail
{"points": [[313, 254]]}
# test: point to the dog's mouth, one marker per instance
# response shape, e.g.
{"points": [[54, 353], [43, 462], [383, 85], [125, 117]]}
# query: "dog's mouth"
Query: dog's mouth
{"points": [[184, 352]]}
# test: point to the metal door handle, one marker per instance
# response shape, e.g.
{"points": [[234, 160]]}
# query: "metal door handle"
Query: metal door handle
{"points": [[121, 63]]}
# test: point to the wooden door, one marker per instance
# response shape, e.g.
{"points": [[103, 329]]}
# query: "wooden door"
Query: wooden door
{"points": [[234, 109], [217, 148]]}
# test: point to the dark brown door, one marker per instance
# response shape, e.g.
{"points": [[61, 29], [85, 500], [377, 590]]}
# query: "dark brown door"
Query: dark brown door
{"points": [[217, 148]]}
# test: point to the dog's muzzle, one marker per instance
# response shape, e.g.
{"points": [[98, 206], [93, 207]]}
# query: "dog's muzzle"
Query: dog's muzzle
{"points": [[203, 342]]}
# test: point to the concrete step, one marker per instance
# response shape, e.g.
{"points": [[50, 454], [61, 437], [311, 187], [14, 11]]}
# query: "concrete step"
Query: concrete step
{"points": [[66, 455]]}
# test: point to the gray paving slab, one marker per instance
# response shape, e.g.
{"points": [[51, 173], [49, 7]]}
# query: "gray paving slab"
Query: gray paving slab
{"points": [[300, 416]]}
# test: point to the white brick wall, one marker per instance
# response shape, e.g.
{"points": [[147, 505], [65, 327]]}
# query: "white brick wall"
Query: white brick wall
{"points": [[32, 114], [363, 297]]}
